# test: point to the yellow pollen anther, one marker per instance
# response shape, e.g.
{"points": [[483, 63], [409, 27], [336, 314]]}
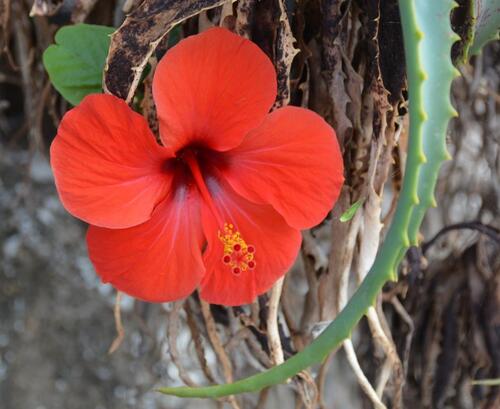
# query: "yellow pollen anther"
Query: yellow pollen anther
{"points": [[238, 255]]}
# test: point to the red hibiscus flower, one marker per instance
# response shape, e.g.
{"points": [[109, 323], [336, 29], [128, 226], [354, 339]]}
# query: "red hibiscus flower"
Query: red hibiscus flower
{"points": [[220, 205]]}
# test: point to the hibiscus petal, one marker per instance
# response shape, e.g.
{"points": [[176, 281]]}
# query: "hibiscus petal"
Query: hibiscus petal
{"points": [[275, 247], [157, 261], [293, 162], [211, 89], [108, 168]]}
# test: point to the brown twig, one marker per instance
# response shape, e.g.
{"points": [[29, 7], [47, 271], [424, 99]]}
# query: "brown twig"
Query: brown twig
{"points": [[118, 324], [244, 14], [400, 309], [490, 231], [198, 342], [173, 335], [321, 377], [25, 57], [264, 393], [274, 340], [218, 347]]}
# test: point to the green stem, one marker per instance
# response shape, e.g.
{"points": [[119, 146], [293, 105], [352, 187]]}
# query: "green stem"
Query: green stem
{"points": [[397, 239]]}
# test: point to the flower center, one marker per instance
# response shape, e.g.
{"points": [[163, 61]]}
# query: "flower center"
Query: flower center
{"points": [[238, 255]]}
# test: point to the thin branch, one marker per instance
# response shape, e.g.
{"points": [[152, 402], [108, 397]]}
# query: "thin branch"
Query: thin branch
{"points": [[173, 335], [118, 324], [218, 347], [411, 328], [363, 381], [264, 393], [485, 229], [272, 324], [198, 342]]}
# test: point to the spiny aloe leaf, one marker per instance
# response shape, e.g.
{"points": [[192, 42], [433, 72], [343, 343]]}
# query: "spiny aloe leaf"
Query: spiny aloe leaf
{"points": [[436, 64], [76, 62], [487, 23], [420, 70]]}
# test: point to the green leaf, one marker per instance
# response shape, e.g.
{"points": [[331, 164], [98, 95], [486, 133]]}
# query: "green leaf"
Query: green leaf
{"points": [[76, 62], [349, 213]]}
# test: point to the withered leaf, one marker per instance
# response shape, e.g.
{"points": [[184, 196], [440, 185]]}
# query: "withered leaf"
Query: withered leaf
{"points": [[390, 40], [4, 24], [332, 23], [134, 42], [45, 7], [244, 14], [81, 10], [285, 53]]}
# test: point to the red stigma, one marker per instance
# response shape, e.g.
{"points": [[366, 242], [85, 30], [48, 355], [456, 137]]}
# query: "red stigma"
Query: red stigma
{"points": [[251, 249], [226, 259], [237, 247], [236, 270]]}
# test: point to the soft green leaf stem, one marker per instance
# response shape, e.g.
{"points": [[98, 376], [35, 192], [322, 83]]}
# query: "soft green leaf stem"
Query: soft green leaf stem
{"points": [[427, 39], [349, 213]]}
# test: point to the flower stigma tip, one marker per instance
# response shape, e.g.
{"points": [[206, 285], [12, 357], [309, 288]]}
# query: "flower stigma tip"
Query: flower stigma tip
{"points": [[238, 255]]}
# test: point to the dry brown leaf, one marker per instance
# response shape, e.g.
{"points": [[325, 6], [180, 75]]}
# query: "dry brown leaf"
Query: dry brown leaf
{"points": [[204, 23], [173, 326], [147, 104], [307, 389], [220, 352], [129, 5], [390, 38], [137, 38], [331, 68], [81, 10], [226, 14], [191, 317], [4, 24], [285, 52], [335, 80], [344, 235], [244, 13], [45, 7]]}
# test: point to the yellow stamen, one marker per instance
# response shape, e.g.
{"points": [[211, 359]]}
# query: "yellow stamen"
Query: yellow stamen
{"points": [[238, 255]]}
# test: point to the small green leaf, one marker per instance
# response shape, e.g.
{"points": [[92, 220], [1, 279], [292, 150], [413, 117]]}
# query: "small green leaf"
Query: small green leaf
{"points": [[349, 213], [487, 382], [76, 62]]}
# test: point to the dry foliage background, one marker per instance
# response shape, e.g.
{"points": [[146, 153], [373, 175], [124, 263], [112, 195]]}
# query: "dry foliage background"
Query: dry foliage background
{"points": [[429, 335]]}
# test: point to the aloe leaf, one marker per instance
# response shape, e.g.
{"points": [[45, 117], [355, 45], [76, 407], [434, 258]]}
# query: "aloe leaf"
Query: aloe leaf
{"points": [[439, 72]]}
